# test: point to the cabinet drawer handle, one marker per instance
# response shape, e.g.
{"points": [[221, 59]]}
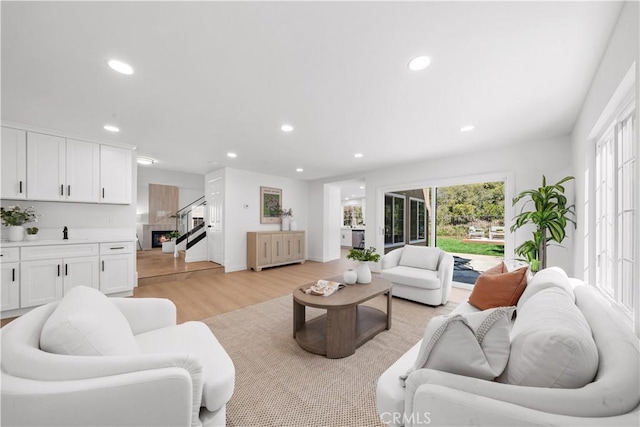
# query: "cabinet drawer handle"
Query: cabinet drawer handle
{"points": [[102, 265], [61, 189], [103, 192], [116, 247], [68, 190], [13, 274], [66, 269], [20, 187], [58, 270]]}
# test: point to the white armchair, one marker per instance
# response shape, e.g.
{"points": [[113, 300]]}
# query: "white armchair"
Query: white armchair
{"points": [[180, 376], [419, 273]]}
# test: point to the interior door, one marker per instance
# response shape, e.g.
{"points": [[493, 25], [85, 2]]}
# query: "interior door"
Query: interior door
{"points": [[215, 233]]}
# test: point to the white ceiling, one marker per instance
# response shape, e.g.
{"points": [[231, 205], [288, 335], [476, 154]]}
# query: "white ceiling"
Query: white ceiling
{"points": [[213, 77]]}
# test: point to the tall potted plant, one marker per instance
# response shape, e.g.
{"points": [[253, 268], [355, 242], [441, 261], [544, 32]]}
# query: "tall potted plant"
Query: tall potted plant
{"points": [[550, 217]]}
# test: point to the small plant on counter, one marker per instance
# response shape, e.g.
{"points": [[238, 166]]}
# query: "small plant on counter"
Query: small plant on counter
{"points": [[284, 213], [15, 215], [364, 255], [32, 230], [174, 234]]}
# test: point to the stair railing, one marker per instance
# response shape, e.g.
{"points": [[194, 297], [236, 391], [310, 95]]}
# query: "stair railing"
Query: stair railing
{"points": [[189, 220]]}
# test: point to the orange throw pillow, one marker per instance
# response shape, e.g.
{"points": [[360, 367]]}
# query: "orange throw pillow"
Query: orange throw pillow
{"points": [[498, 288]]}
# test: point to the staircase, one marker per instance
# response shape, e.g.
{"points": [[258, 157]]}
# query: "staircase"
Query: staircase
{"points": [[190, 225]]}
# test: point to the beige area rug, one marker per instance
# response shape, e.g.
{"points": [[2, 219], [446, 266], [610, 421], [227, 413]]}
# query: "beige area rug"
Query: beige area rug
{"points": [[280, 384]]}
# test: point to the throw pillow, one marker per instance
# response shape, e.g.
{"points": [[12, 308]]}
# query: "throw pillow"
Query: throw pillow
{"points": [[496, 288], [551, 344], [86, 323], [475, 345], [424, 257]]}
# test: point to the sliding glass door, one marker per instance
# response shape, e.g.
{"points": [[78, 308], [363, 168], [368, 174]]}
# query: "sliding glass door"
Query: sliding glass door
{"points": [[394, 208]]}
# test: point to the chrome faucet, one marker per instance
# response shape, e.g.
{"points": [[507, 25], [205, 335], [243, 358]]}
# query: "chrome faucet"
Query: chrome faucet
{"points": [[65, 232]]}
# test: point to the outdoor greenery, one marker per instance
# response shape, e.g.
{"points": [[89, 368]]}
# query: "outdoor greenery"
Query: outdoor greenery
{"points": [[451, 244], [550, 213], [364, 254], [466, 204]]}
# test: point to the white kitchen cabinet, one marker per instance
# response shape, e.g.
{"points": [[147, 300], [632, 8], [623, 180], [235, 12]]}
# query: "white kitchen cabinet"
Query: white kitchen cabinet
{"points": [[48, 271], [60, 169], [14, 164], [115, 174], [117, 265], [9, 279]]}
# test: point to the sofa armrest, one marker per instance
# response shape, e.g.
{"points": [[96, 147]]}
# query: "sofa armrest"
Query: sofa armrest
{"points": [[147, 314], [445, 273], [437, 405], [391, 259], [162, 397], [592, 400]]}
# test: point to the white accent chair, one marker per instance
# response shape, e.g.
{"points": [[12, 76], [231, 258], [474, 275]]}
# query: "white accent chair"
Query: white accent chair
{"points": [[179, 375], [419, 273]]}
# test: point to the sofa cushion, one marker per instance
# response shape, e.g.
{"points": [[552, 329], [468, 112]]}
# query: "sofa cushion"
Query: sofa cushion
{"points": [[410, 276], [475, 345], [498, 288], [86, 323], [197, 340], [551, 344], [420, 257], [552, 277]]}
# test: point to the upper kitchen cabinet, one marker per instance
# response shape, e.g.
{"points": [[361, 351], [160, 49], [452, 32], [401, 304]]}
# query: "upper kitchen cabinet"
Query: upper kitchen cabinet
{"points": [[115, 174], [60, 169], [14, 164]]}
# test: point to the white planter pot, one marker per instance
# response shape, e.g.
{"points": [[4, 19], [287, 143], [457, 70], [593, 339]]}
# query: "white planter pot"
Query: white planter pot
{"points": [[364, 273], [16, 233], [350, 277], [31, 237], [285, 224], [168, 247]]}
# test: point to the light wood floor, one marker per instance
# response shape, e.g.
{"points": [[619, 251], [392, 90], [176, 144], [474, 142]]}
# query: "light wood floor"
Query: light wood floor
{"points": [[201, 297]]}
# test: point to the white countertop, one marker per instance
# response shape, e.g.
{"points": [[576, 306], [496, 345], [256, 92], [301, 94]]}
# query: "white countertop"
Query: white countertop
{"points": [[37, 242]]}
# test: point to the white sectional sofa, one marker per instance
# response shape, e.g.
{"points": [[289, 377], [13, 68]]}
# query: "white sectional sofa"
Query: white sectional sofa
{"points": [[612, 397]]}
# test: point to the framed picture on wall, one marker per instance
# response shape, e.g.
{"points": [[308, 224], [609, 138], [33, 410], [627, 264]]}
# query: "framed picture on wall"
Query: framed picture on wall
{"points": [[270, 204]]}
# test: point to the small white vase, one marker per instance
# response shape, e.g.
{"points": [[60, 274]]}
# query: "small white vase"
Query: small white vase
{"points": [[285, 224], [31, 237], [16, 233], [350, 277], [364, 273]]}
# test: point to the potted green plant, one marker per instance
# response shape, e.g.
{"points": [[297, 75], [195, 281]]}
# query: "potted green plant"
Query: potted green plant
{"points": [[363, 256], [15, 217], [549, 216], [286, 215], [32, 233]]}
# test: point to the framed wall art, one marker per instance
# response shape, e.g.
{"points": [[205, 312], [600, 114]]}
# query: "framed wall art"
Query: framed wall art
{"points": [[270, 204]]}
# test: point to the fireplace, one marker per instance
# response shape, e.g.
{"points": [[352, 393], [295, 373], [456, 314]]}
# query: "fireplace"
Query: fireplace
{"points": [[158, 237]]}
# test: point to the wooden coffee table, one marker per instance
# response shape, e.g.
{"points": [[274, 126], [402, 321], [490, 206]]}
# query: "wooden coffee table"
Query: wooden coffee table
{"points": [[347, 324]]}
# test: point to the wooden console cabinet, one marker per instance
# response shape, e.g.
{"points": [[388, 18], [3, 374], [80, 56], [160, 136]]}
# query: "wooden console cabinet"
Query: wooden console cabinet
{"points": [[272, 248]]}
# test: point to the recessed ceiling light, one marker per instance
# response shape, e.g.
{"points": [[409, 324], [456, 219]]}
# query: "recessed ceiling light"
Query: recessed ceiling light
{"points": [[111, 128], [232, 155], [120, 66], [286, 128], [358, 155], [145, 160], [419, 63], [299, 170], [346, 198], [466, 128], [362, 187]]}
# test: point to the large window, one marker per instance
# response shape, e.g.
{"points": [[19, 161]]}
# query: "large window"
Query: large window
{"points": [[393, 220], [417, 221], [615, 198]]}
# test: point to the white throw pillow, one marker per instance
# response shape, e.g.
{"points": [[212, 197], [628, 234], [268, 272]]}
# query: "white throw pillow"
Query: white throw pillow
{"points": [[474, 345], [424, 257], [551, 344], [86, 323]]}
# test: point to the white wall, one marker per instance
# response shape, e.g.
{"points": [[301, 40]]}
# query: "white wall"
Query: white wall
{"points": [[622, 51], [190, 185], [523, 164], [243, 188]]}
